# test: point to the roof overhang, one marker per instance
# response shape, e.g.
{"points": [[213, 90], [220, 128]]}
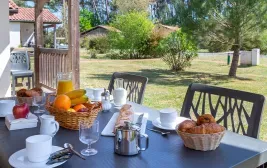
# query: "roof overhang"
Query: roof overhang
{"points": [[13, 11], [30, 21]]}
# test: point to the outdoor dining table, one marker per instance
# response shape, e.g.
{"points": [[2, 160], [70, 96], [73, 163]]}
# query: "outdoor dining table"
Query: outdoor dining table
{"points": [[164, 151]]}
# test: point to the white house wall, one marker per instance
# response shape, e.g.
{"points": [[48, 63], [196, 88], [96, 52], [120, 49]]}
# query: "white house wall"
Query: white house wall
{"points": [[26, 33], [14, 33], [4, 50]]}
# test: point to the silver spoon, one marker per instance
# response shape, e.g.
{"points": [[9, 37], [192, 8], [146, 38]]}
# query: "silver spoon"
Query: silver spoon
{"points": [[162, 133], [68, 145]]}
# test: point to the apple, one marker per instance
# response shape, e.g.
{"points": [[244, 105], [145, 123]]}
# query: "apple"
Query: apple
{"points": [[21, 111], [83, 110]]}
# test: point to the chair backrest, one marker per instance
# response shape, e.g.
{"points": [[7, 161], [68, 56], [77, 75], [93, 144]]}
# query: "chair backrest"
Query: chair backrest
{"points": [[19, 60], [135, 86], [236, 110]]}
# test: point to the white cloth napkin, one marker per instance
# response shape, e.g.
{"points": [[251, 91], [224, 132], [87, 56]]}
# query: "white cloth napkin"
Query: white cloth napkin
{"points": [[108, 130]]}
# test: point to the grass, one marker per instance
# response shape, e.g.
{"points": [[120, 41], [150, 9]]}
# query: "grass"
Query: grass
{"points": [[167, 89]]}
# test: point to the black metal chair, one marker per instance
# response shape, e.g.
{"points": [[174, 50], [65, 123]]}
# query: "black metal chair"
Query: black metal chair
{"points": [[135, 86], [238, 111]]}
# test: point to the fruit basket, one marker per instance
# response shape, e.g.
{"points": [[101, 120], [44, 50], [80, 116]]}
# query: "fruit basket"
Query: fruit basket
{"points": [[70, 120]]}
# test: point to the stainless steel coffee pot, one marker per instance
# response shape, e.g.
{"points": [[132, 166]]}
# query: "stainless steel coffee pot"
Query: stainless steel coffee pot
{"points": [[127, 140]]}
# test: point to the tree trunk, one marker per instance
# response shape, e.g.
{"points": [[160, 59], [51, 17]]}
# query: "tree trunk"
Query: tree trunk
{"points": [[107, 11], [234, 64]]}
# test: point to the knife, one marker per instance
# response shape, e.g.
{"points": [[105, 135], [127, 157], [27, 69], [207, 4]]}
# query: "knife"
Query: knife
{"points": [[139, 120]]}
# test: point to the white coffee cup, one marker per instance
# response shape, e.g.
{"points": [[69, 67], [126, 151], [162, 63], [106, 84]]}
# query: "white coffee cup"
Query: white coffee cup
{"points": [[38, 148], [97, 93], [6, 107], [90, 93], [167, 117]]}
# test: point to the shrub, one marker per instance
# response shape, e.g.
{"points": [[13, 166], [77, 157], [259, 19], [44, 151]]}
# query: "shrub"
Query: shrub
{"points": [[135, 29], [99, 44], [177, 50], [116, 55]]}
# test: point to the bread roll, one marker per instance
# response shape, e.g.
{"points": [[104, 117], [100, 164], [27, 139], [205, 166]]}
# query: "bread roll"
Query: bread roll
{"points": [[197, 130], [185, 125], [126, 114], [205, 118]]}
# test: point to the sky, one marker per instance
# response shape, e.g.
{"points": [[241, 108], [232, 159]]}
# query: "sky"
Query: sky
{"points": [[31, 4]]}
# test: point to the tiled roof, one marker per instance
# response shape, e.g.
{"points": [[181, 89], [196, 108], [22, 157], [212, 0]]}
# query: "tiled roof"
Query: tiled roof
{"points": [[12, 5], [108, 28], [28, 15]]}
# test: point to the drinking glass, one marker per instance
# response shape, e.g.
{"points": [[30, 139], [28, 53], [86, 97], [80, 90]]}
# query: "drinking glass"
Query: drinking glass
{"points": [[39, 101], [88, 134], [64, 83], [119, 93], [119, 83]]}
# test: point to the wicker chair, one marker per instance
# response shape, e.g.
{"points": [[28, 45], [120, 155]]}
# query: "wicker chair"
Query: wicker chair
{"points": [[135, 86], [236, 110]]}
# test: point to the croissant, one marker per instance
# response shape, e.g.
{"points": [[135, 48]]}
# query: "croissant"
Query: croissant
{"points": [[205, 118], [187, 124], [21, 93], [205, 124], [213, 128], [197, 130]]}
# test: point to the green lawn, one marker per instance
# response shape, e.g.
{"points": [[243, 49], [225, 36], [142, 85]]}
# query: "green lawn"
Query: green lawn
{"points": [[167, 89]]}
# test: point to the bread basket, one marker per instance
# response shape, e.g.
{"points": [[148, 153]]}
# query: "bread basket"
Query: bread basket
{"points": [[71, 120], [202, 142], [27, 100]]}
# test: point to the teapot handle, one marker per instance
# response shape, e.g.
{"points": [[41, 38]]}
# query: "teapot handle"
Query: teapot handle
{"points": [[147, 142], [57, 127]]}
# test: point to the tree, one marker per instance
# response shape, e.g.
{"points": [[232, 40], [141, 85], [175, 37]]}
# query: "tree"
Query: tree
{"points": [[21, 3], [225, 21], [135, 29], [85, 20], [125, 6], [178, 50]]}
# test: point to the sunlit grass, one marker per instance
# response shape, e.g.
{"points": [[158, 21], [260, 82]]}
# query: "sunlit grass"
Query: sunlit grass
{"points": [[167, 89]]}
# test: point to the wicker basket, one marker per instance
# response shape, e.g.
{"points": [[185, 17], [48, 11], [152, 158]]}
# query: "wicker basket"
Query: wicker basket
{"points": [[70, 120], [27, 100], [203, 142]]}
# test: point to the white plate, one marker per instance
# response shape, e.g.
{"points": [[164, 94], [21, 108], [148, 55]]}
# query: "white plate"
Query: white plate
{"points": [[108, 130], [157, 123], [20, 160]]}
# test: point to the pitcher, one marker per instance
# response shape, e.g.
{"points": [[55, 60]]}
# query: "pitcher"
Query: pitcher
{"points": [[48, 125], [64, 83]]}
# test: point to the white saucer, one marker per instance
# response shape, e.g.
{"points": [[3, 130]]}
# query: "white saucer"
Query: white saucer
{"points": [[19, 160], [157, 123]]}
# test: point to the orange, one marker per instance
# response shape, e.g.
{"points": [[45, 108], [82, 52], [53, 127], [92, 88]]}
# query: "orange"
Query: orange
{"points": [[62, 102], [78, 107]]}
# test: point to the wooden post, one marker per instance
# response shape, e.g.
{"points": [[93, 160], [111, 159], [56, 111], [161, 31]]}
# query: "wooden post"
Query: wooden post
{"points": [[55, 36], [38, 35], [74, 41]]}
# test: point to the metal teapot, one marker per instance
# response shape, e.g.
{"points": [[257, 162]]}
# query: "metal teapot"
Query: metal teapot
{"points": [[127, 140]]}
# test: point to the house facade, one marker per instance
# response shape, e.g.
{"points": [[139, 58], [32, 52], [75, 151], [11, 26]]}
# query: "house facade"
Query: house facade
{"points": [[4, 50], [21, 24]]}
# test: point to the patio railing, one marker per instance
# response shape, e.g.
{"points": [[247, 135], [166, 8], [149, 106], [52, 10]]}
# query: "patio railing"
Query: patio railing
{"points": [[51, 61]]}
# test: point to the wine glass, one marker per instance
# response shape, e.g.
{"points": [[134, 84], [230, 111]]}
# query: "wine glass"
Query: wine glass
{"points": [[39, 101], [88, 134]]}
